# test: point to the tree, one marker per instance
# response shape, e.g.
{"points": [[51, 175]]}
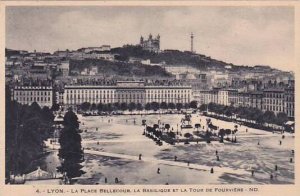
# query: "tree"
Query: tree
{"points": [[227, 132], [269, 117], [282, 118], [93, 107], [171, 134], [116, 106], [155, 126], [123, 106], [85, 106], [100, 107], [221, 133], [229, 111], [203, 107], [139, 106], [70, 147], [187, 135], [179, 106], [163, 105], [171, 106], [197, 126], [149, 129], [211, 107], [155, 106], [26, 128], [207, 136], [167, 126], [46, 114], [131, 106], [148, 106], [109, 107], [194, 104], [55, 107], [186, 106]]}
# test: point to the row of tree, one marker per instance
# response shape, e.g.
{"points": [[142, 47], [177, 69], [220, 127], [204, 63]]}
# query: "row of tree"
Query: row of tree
{"points": [[249, 114], [26, 129], [86, 106]]}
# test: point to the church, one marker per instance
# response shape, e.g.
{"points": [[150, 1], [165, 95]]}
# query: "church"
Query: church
{"points": [[151, 44]]}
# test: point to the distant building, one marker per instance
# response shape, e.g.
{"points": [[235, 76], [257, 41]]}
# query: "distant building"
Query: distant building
{"points": [[256, 99], [208, 96], [28, 94], [273, 100], [151, 44], [134, 60], [99, 55], [205, 97], [244, 99], [146, 62], [223, 97], [61, 53], [94, 49], [233, 97], [289, 97], [64, 67], [40, 70], [77, 55]]}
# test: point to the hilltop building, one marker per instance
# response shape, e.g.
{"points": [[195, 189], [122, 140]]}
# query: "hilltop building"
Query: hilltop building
{"points": [[151, 44]]}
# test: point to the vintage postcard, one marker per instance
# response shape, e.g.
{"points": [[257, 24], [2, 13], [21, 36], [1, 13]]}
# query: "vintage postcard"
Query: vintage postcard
{"points": [[153, 97]]}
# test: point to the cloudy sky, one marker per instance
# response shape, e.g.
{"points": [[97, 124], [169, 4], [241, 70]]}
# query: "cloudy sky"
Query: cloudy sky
{"points": [[240, 35]]}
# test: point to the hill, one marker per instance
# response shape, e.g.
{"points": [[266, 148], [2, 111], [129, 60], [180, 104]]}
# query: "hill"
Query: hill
{"points": [[170, 57], [119, 68]]}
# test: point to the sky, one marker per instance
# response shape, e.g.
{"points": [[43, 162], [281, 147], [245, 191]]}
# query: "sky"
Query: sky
{"points": [[239, 35]]}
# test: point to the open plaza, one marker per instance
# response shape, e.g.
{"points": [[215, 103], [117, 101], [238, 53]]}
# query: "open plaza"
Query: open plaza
{"points": [[116, 150]]}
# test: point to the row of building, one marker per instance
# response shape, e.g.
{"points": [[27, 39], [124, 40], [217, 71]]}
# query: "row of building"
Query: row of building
{"points": [[122, 92], [272, 99]]}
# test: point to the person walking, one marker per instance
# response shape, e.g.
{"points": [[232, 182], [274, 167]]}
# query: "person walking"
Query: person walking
{"points": [[252, 172], [140, 156], [158, 170]]}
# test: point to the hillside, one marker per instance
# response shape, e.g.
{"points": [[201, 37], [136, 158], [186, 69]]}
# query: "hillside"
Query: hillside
{"points": [[170, 57], [119, 68]]}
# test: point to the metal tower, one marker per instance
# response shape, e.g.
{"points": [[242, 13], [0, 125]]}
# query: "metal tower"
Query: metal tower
{"points": [[192, 42]]}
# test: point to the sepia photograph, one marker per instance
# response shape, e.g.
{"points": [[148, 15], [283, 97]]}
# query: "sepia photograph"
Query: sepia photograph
{"points": [[149, 95]]}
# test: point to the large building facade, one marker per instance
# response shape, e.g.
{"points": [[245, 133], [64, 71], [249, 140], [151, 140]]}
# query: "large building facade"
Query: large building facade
{"points": [[273, 99], [43, 95], [290, 101], [126, 92], [78, 94]]}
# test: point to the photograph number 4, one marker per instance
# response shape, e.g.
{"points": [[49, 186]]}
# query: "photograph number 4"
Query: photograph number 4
{"points": [[149, 95]]}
